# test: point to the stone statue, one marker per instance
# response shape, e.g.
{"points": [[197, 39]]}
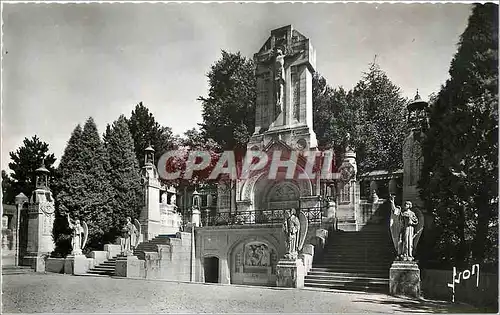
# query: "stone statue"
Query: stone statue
{"points": [[164, 198], [279, 81], [173, 200], [406, 227], [130, 233], [79, 236], [295, 229]]}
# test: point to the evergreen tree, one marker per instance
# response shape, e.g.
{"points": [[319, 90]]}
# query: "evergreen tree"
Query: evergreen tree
{"points": [[124, 172], [25, 160], [460, 175], [145, 131], [377, 112], [229, 109], [85, 192]]}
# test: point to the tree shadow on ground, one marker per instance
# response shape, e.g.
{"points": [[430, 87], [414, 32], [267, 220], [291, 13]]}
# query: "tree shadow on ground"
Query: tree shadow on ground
{"points": [[426, 306]]}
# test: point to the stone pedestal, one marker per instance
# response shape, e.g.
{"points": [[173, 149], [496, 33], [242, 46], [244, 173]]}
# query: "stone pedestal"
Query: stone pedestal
{"points": [[35, 260], [290, 273], [130, 267], [404, 279], [76, 265]]}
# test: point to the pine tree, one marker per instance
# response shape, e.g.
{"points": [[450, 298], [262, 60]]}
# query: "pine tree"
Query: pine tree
{"points": [[25, 160], [378, 114], [85, 192], [69, 181], [460, 175], [124, 172], [145, 131]]}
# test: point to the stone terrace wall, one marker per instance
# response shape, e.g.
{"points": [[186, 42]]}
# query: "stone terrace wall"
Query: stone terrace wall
{"points": [[435, 286]]}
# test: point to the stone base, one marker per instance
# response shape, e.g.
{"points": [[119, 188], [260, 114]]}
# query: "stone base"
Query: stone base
{"points": [[130, 267], [35, 260], [404, 279], [290, 273], [76, 265]]}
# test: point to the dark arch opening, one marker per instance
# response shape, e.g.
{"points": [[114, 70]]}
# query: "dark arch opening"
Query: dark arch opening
{"points": [[211, 268]]}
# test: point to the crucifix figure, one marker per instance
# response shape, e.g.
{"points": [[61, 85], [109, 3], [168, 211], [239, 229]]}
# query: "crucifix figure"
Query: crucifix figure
{"points": [[279, 82]]}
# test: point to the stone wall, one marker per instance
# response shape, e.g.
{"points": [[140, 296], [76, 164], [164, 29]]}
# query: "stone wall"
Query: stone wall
{"points": [[172, 261], [435, 286], [247, 254]]}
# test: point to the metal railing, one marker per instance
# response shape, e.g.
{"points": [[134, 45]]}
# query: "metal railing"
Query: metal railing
{"points": [[314, 215]]}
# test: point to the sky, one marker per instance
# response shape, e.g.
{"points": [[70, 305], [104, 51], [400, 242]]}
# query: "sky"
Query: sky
{"points": [[62, 63]]}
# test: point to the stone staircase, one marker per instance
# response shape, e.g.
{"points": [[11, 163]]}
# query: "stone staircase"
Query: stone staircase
{"points": [[150, 246], [354, 260], [106, 268], [16, 270]]}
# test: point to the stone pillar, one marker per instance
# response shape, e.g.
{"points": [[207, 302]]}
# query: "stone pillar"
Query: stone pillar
{"points": [[290, 273], [150, 217], [404, 279], [20, 200], [196, 217], [40, 222]]}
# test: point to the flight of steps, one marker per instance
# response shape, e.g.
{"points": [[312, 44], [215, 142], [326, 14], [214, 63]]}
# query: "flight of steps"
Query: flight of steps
{"points": [[106, 268], [16, 270], [357, 261], [150, 246]]}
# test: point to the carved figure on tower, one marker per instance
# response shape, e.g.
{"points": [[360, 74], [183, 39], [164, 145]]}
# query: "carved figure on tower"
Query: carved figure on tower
{"points": [[406, 227], [279, 82]]}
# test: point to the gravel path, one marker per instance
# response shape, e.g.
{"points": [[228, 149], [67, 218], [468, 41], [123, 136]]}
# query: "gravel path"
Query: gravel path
{"points": [[55, 293]]}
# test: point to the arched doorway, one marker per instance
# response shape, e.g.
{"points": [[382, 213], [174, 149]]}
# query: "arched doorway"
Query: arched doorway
{"points": [[211, 269]]}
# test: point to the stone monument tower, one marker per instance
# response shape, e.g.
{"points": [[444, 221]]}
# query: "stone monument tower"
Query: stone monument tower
{"points": [[40, 222], [159, 214], [284, 70], [412, 149]]}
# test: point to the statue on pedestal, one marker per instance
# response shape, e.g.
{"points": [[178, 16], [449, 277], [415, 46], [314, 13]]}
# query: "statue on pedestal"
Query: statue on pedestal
{"points": [[406, 227], [130, 233], [79, 236], [295, 228]]}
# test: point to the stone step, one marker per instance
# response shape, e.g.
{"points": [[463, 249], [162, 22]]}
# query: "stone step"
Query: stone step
{"points": [[349, 286], [104, 268], [16, 270], [101, 272], [328, 273], [357, 280]]}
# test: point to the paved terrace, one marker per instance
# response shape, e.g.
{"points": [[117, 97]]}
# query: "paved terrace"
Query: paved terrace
{"points": [[55, 293]]}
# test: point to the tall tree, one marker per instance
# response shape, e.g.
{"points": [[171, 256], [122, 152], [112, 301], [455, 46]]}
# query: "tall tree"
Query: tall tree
{"points": [[25, 160], [229, 109], [145, 131], [461, 147], [378, 115], [85, 190], [124, 173]]}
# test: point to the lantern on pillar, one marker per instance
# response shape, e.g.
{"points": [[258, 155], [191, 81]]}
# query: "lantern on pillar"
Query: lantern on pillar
{"points": [[42, 175], [196, 200], [149, 156]]}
